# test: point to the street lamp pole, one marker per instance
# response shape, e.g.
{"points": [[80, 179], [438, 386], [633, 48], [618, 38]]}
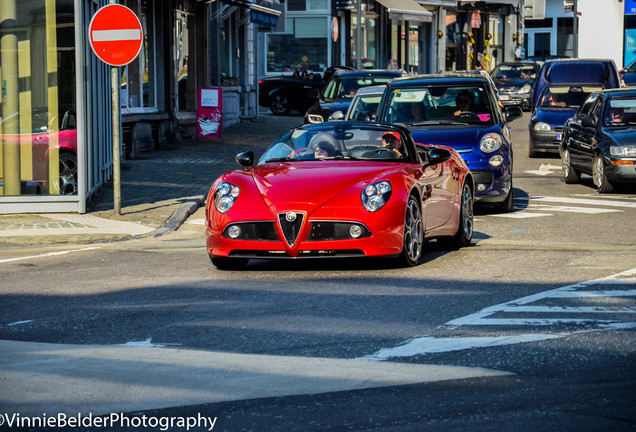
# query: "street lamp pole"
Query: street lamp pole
{"points": [[576, 29], [359, 35]]}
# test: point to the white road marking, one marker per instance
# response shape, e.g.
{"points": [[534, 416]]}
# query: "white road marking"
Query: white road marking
{"points": [[545, 169], [196, 221], [6, 260], [581, 201], [18, 323], [428, 344], [568, 209], [521, 215]]}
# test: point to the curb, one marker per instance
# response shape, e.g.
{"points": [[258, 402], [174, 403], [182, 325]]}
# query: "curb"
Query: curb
{"points": [[184, 211]]}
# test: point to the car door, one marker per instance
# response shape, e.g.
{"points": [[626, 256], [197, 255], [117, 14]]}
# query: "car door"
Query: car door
{"points": [[582, 153], [437, 191]]}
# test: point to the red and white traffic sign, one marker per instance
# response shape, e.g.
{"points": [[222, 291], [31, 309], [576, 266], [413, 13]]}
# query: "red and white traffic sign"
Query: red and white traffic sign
{"points": [[115, 35]]}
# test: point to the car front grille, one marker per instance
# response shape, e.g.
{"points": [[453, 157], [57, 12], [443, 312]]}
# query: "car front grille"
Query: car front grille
{"points": [[291, 223], [259, 231], [321, 231]]}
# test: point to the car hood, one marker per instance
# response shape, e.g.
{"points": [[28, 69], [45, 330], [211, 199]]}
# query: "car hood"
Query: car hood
{"points": [[329, 107], [555, 117], [457, 137], [309, 185], [625, 135]]}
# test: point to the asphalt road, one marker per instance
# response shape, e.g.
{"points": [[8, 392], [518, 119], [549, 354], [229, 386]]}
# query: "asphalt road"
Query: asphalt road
{"points": [[531, 328]]}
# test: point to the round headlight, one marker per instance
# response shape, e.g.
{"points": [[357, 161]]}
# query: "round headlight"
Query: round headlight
{"points": [[370, 190], [525, 89], [375, 203], [543, 127], [225, 195], [490, 142], [384, 187]]}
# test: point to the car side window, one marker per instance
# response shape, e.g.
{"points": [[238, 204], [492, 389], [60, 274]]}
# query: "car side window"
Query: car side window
{"points": [[586, 109]]}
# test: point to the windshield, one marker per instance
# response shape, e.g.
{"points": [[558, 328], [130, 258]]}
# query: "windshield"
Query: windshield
{"points": [[514, 72], [364, 107], [345, 87], [620, 111], [341, 142], [566, 96], [439, 104]]}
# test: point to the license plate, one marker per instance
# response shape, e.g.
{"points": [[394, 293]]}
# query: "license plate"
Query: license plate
{"points": [[504, 97], [558, 137]]}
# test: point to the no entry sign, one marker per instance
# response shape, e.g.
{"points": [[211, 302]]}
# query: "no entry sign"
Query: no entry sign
{"points": [[115, 35]]}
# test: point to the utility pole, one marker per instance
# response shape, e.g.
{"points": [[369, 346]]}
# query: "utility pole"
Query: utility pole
{"points": [[576, 29]]}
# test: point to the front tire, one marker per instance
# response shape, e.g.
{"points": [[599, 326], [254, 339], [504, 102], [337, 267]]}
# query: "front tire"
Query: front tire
{"points": [[603, 185], [507, 205], [413, 234], [569, 173], [68, 173]]}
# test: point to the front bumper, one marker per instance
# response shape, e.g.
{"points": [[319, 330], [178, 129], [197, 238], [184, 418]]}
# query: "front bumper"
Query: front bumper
{"points": [[515, 99], [492, 183], [385, 228], [621, 170], [548, 142]]}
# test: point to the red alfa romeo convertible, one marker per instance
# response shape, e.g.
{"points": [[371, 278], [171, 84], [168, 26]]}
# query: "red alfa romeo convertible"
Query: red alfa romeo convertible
{"points": [[340, 189]]}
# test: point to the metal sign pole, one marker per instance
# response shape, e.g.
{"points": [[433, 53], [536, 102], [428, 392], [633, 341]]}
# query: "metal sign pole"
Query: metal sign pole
{"points": [[114, 78]]}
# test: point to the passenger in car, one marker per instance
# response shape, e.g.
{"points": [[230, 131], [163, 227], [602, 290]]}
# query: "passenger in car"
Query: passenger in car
{"points": [[325, 149]]}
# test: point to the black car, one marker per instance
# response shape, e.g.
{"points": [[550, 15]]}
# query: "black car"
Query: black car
{"points": [[600, 140], [285, 93], [339, 91], [515, 82]]}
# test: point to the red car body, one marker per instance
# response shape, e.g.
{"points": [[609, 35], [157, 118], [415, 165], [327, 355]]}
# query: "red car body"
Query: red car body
{"points": [[325, 196]]}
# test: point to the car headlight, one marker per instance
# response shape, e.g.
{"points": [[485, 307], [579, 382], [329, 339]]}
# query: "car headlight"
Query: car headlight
{"points": [[490, 143], [527, 88], [543, 127], [623, 151], [224, 196], [375, 195]]}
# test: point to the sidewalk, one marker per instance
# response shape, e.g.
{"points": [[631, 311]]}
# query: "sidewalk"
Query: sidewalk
{"points": [[158, 191]]}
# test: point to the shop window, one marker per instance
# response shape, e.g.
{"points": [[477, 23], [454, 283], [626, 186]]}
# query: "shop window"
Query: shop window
{"points": [[307, 5], [304, 47], [38, 141], [138, 77]]}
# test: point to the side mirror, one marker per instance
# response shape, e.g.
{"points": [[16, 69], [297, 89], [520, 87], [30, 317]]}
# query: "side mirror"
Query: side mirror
{"points": [[245, 159], [336, 116], [588, 122], [313, 93], [513, 112], [438, 155]]}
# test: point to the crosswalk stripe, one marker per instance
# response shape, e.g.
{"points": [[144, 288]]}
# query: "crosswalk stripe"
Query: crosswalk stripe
{"points": [[582, 201]]}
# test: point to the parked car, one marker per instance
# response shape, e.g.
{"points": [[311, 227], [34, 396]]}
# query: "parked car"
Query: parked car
{"points": [[600, 140], [339, 91], [562, 87], [286, 93], [364, 105], [515, 82], [361, 200], [57, 133], [479, 133], [628, 74]]}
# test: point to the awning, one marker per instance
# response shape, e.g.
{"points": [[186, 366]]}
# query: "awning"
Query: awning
{"points": [[406, 10]]}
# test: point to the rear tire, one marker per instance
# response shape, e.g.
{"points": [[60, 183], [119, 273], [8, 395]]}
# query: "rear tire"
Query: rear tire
{"points": [[464, 233], [603, 185], [229, 263], [279, 104]]}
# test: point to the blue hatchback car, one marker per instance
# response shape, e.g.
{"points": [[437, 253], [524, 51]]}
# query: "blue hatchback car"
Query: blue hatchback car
{"points": [[562, 87], [460, 111]]}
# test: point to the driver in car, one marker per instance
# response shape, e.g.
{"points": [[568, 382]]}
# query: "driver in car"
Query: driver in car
{"points": [[392, 140], [465, 102]]}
